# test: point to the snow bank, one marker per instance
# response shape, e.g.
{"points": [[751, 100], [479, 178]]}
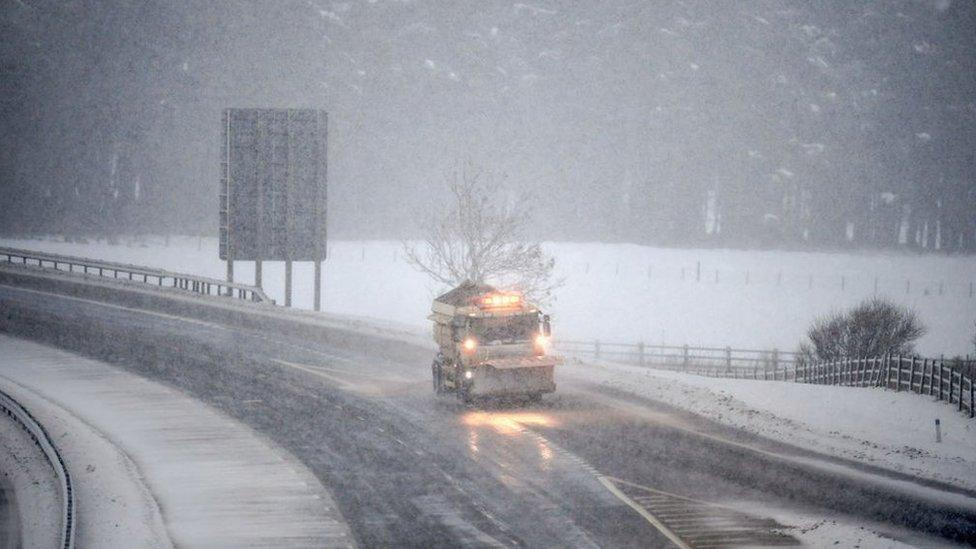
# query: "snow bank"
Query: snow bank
{"points": [[642, 293], [36, 500], [872, 426]]}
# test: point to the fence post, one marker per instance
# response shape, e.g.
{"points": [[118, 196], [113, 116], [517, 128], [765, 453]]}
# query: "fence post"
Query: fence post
{"points": [[776, 363], [911, 377], [640, 351], [972, 392], [596, 349], [898, 375], [960, 388], [921, 377], [684, 359], [728, 359], [941, 366], [949, 396], [932, 378]]}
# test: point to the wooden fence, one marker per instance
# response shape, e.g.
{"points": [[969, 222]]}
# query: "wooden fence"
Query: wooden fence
{"points": [[711, 361], [950, 380]]}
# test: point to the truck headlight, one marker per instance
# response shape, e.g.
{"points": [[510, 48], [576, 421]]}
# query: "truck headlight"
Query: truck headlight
{"points": [[541, 344]]}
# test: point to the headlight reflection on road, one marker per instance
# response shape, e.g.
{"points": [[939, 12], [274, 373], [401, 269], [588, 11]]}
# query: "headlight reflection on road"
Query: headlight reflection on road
{"points": [[545, 452], [509, 424], [506, 423]]}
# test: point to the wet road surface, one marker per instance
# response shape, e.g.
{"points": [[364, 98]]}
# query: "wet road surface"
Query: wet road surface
{"points": [[411, 469]]}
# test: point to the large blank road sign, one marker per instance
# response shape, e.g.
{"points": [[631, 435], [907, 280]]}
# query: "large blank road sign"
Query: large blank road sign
{"points": [[273, 184]]}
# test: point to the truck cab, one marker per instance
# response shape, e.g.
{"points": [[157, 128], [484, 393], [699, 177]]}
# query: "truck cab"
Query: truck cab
{"points": [[491, 343]]}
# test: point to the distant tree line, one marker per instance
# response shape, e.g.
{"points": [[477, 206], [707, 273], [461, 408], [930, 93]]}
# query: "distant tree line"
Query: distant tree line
{"points": [[732, 124]]}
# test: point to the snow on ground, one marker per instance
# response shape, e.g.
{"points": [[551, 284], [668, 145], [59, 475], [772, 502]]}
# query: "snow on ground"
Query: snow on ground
{"points": [[132, 443], [882, 428], [25, 471], [116, 508], [841, 532], [641, 293]]}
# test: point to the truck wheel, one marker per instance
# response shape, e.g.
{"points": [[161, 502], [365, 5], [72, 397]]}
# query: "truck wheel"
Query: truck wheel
{"points": [[438, 380], [462, 392]]}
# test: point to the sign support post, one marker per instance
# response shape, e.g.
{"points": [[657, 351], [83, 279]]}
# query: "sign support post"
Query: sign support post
{"points": [[273, 169], [287, 283], [318, 285]]}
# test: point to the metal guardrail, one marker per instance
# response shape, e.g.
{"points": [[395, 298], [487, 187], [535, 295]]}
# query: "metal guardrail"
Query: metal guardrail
{"points": [[37, 432], [146, 275], [729, 362]]}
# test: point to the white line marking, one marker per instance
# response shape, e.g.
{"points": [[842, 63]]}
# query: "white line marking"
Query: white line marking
{"points": [[608, 483], [312, 370]]}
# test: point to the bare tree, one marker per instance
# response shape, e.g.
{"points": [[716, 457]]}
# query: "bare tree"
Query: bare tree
{"points": [[874, 327], [482, 238]]}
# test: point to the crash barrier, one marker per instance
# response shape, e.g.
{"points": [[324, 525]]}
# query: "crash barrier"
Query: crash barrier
{"points": [[712, 361], [950, 380], [37, 432], [145, 275]]}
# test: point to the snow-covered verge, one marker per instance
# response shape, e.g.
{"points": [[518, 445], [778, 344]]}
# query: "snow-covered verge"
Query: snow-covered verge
{"points": [[33, 493], [895, 431], [115, 508], [838, 532], [757, 299], [153, 465]]}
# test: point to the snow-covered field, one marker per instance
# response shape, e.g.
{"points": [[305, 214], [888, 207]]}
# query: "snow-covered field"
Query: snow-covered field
{"points": [[621, 292], [894, 431]]}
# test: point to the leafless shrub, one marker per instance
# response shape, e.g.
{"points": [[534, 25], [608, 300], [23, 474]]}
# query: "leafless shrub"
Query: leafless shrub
{"points": [[873, 328], [482, 239]]}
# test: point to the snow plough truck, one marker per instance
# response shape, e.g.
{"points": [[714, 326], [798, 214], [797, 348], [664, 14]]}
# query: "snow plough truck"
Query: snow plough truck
{"points": [[491, 343]]}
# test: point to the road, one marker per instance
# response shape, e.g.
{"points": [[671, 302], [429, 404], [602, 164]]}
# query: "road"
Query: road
{"points": [[586, 467]]}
